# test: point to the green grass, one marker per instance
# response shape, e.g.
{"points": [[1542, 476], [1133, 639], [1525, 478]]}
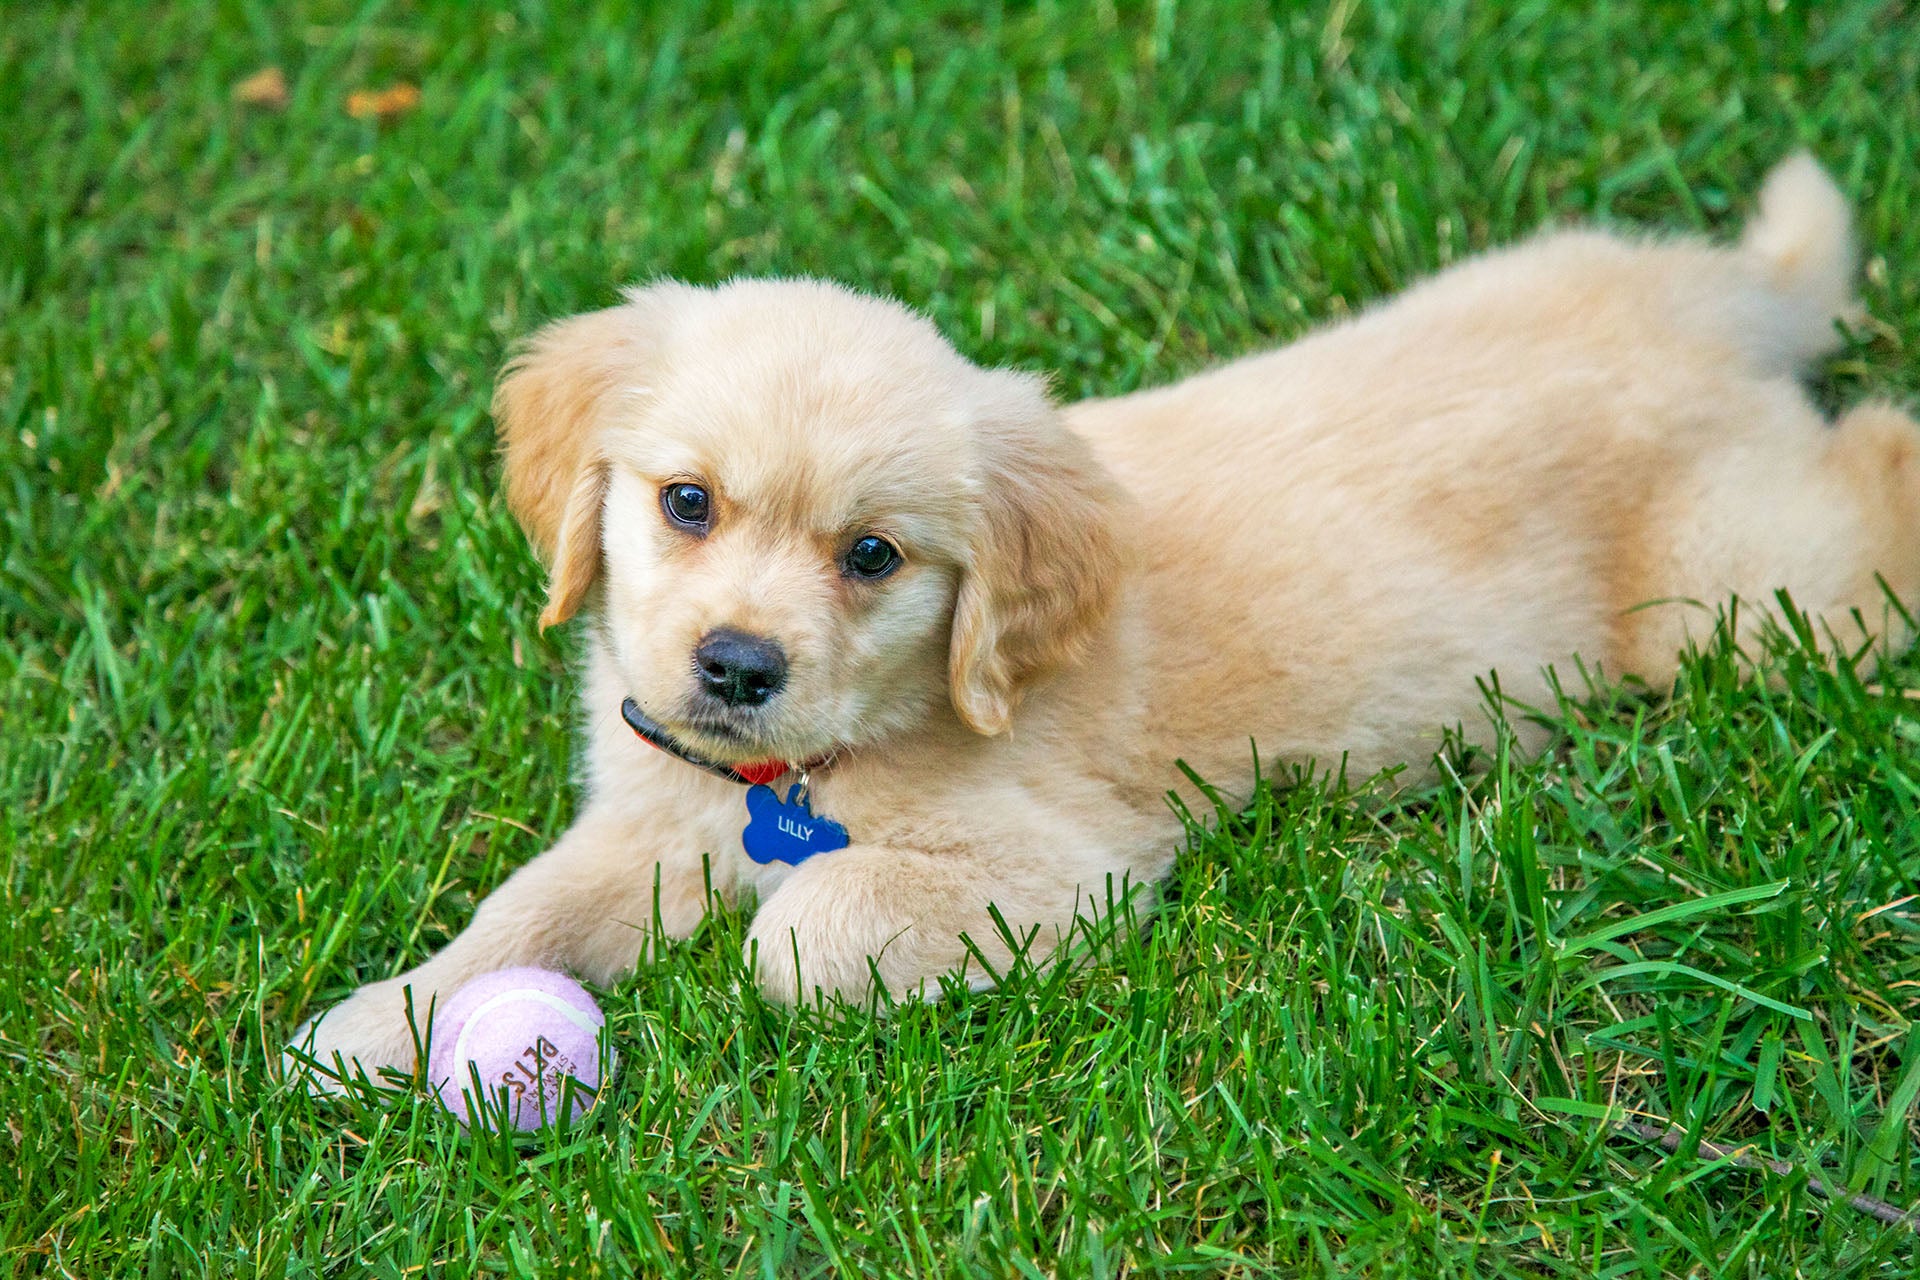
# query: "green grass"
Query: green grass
{"points": [[274, 710]]}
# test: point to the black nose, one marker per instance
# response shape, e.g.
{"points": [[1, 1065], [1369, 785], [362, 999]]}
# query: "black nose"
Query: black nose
{"points": [[739, 669]]}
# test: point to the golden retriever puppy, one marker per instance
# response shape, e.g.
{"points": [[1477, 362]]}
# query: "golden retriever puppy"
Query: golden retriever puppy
{"points": [[810, 541]]}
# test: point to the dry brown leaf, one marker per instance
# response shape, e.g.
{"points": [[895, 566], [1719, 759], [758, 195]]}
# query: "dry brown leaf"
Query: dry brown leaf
{"points": [[266, 87], [382, 104]]}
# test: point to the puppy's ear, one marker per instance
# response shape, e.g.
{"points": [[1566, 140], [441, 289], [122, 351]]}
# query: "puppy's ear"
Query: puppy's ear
{"points": [[1047, 558], [552, 408]]}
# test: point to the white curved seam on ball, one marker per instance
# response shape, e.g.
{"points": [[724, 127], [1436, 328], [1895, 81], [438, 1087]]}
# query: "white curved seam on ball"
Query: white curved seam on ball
{"points": [[555, 1003]]}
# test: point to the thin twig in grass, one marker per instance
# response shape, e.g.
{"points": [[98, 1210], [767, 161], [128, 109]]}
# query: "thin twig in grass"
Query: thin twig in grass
{"points": [[1671, 1138]]}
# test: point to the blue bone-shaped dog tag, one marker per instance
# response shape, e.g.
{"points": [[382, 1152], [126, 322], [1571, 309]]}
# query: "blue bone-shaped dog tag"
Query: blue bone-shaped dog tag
{"points": [[787, 830]]}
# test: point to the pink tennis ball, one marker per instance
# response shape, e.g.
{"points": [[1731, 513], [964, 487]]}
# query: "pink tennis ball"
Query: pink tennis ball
{"points": [[526, 1032]]}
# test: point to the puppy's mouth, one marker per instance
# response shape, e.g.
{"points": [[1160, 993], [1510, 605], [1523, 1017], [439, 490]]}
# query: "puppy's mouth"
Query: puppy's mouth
{"points": [[704, 737], [721, 730]]}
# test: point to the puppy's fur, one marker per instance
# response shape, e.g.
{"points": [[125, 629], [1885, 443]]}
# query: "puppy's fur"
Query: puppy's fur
{"points": [[1322, 549]]}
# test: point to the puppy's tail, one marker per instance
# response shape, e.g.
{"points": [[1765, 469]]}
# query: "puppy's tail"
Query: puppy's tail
{"points": [[1801, 241]]}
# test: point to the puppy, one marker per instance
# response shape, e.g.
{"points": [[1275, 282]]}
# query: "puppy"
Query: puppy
{"points": [[814, 543]]}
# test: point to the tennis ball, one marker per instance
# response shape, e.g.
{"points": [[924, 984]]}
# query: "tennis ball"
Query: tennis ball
{"points": [[527, 1033]]}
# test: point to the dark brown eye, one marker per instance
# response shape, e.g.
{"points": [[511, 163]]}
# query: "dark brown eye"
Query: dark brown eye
{"points": [[687, 505], [872, 557]]}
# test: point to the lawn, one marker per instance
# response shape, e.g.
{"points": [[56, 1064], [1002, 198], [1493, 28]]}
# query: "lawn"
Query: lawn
{"points": [[274, 710]]}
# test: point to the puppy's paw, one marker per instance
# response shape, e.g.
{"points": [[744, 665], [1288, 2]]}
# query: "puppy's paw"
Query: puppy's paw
{"points": [[831, 929], [793, 964], [367, 1034]]}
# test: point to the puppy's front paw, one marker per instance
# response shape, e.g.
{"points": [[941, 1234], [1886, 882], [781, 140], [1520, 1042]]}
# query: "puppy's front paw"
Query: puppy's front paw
{"points": [[831, 928], [365, 1034]]}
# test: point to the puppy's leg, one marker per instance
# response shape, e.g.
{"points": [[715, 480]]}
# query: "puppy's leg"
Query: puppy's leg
{"points": [[1874, 454], [587, 905], [1862, 492], [1827, 513], [909, 915]]}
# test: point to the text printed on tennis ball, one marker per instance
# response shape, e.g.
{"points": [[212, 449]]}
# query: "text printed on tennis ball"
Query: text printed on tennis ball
{"points": [[538, 1068]]}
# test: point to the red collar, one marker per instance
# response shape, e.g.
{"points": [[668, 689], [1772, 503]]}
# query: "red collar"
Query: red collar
{"points": [[655, 734]]}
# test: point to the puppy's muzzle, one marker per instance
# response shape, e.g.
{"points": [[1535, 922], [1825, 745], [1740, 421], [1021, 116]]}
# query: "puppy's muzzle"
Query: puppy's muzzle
{"points": [[738, 669]]}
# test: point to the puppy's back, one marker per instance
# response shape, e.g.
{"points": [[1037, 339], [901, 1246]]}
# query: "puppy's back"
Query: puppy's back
{"points": [[1346, 534]]}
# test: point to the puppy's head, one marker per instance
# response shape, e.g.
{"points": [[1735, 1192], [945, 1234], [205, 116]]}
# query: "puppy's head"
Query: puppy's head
{"points": [[805, 522]]}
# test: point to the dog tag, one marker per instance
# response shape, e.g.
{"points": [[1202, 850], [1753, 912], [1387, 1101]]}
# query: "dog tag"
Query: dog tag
{"points": [[787, 830]]}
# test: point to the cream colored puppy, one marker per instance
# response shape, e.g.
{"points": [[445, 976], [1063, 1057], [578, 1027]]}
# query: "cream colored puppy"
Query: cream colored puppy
{"points": [[808, 535]]}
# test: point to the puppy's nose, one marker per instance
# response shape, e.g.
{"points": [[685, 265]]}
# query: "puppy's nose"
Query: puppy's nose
{"points": [[739, 669]]}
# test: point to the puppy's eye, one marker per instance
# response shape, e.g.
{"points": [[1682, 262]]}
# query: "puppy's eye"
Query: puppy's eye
{"points": [[872, 557], [687, 505]]}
